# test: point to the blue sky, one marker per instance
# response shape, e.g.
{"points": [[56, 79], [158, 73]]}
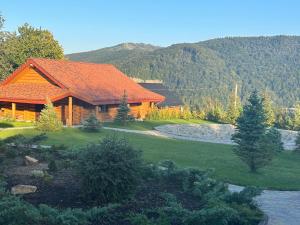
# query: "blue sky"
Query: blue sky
{"points": [[88, 25]]}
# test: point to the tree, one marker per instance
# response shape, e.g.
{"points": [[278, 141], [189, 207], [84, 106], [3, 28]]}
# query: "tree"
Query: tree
{"points": [[28, 42], [91, 124], [250, 134], [48, 120], [234, 109], [109, 172], [274, 136], [268, 109], [123, 111]]}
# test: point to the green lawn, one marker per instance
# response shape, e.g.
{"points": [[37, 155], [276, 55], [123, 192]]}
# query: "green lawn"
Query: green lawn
{"points": [[6, 124], [282, 174], [150, 124]]}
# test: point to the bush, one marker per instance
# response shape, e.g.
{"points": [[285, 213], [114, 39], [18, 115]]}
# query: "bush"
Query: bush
{"points": [[91, 124], [109, 171], [48, 120]]}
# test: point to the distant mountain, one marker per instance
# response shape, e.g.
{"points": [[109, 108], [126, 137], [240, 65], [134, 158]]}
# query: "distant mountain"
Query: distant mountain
{"points": [[113, 54], [211, 68]]}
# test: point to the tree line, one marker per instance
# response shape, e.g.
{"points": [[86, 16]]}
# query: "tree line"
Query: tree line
{"points": [[16, 47]]}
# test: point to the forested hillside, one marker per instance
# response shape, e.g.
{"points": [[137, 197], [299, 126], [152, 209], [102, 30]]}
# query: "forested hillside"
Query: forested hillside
{"points": [[211, 68]]}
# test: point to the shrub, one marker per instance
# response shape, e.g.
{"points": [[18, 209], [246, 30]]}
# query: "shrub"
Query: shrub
{"points": [[91, 124], [48, 120], [109, 171], [52, 166]]}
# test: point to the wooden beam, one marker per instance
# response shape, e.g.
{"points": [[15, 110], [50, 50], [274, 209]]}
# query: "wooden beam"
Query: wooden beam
{"points": [[13, 110], [70, 112]]}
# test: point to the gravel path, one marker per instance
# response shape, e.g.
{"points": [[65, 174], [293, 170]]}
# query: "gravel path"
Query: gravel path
{"points": [[216, 133], [282, 207]]}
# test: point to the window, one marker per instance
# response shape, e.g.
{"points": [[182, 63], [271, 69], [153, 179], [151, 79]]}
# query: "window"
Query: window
{"points": [[103, 108]]}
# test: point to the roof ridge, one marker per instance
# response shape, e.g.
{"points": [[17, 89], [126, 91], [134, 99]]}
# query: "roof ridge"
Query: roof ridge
{"points": [[70, 61]]}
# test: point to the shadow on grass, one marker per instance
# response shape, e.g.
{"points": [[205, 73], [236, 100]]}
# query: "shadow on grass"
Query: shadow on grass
{"points": [[6, 125]]}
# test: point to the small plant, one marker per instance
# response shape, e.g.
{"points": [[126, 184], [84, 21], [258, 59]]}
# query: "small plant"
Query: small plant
{"points": [[52, 166], [91, 124], [48, 120]]}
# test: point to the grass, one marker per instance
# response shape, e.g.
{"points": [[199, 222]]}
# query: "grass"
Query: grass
{"points": [[6, 124], [282, 173], [151, 124]]}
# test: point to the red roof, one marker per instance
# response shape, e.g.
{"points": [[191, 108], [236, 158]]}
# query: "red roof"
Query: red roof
{"points": [[94, 83]]}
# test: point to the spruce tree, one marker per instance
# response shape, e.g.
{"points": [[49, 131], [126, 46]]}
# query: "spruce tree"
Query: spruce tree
{"points": [[48, 120], [268, 109], [250, 135], [234, 109], [123, 115]]}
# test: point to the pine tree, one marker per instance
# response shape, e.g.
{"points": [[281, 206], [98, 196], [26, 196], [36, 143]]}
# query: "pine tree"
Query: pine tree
{"points": [[48, 120], [123, 115], [253, 146], [268, 108], [234, 109], [91, 124]]}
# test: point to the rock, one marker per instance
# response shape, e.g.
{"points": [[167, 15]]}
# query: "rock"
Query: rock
{"points": [[23, 189], [30, 161]]}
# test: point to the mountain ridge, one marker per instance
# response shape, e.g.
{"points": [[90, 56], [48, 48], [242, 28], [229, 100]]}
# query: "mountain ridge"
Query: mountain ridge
{"points": [[211, 68]]}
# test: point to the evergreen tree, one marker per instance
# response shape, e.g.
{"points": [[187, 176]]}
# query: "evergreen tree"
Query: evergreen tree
{"points": [[123, 115], [268, 108], [91, 124], [48, 120], [250, 135], [234, 109], [274, 136]]}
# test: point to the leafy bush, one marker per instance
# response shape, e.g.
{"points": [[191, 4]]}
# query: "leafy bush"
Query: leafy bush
{"points": [[109, 171], [48, 120], [91, 124]]}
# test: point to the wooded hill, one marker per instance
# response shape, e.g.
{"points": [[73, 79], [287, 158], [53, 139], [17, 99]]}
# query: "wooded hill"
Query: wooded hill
{"points": [[211, 68]]}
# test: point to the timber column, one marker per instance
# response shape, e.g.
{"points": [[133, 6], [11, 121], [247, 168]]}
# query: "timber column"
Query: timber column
{"points": [[13, 110], [70, 112]]}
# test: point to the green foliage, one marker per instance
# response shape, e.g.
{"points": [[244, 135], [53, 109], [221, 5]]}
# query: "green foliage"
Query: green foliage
{"points": [[52, 166], [273, 137], [109, 171], [123, 115], [234, 109], [28, 42], [208, 68], [296, 117], [268, 108], [48, 120], [254, 147], [91, 124], [19, 145], [284, 119]]}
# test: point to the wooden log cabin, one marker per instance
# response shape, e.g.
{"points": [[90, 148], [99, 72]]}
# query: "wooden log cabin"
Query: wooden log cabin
{"points": [[76, 89]]}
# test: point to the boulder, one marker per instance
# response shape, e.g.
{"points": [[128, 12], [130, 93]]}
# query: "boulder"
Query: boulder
{"points": [[23, 189], [30, 161]]}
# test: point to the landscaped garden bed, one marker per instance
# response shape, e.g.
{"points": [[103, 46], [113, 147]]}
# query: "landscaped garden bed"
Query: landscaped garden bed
{"points": [[130, 191]]}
